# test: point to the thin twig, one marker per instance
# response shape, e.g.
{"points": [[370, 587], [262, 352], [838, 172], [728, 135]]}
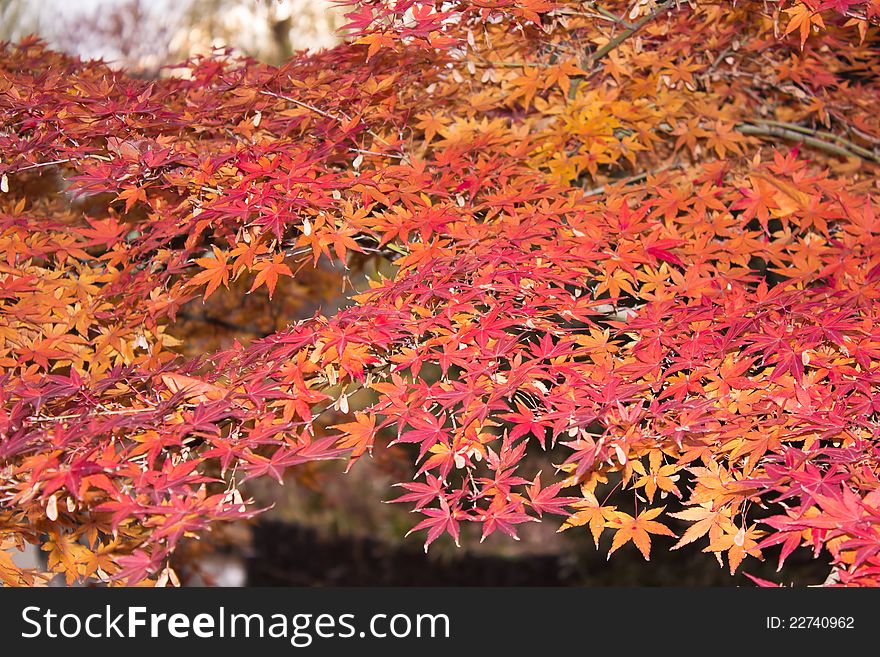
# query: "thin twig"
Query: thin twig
{"points": [[614, 18], [366, 152], [44, 164], [601, 14], [90, 413], [339, 119], [596, 191], [314, 109], [66, 160], [616, 41]]}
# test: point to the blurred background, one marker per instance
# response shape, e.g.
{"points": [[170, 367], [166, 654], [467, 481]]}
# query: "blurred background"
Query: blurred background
{"points": [[144, 35]]}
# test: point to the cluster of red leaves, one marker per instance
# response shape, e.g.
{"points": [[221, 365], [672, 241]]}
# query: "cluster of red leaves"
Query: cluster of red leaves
{"points": [[597, 258]]}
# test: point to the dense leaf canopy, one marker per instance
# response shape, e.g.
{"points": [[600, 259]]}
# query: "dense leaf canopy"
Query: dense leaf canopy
{"points": [[639, 241]]}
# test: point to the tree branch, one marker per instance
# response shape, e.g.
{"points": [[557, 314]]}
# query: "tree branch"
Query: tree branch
{"points": [[824, 141], [616, 41], [597, 191]]}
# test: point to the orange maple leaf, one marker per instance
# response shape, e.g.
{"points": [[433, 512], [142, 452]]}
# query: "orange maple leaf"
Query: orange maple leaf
{"points": [[357, 435], [638, 530], [214, 272], [803, 19], [269, 271]]}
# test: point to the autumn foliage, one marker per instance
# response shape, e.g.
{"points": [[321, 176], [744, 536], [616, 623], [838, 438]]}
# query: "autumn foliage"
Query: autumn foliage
{"points": [[610, 247]]}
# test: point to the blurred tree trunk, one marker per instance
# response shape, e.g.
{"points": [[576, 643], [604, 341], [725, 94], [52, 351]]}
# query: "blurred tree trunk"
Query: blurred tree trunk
{"points": [[281, 33]]}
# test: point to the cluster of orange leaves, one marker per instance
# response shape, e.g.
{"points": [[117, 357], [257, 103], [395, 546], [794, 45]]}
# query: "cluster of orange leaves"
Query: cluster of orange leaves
{"points": [[636, 240]]}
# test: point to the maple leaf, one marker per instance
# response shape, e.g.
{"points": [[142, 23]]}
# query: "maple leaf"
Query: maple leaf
{"points": [[101, 560], [526, 85], [737, 542], [422, 494], [215, 272], [659, 476], [136, 567], [763, 583], [560, 75], [245, 254], [357, 436], [802, 19], [225, 450], [525, 422], [257, 465], [638, 530], [547, 500], [132, 195], [65, 555], [445, 519], [268, 273], [104, 232], [427, 430], [11, 574], [430, 124], [192, 388], [590, 512], [705, 521], [376, 42], [503, 514], [724, 137]]}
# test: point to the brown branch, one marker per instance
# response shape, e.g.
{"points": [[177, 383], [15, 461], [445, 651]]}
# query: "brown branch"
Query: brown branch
{"points": [[596, 191], [821, 134], [89, 413], [600, 13], [614, 43], [842, 148], [66, 160], [496, 64]]}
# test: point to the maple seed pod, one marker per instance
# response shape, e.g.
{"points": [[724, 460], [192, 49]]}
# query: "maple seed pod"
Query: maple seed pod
{"points": [[634, 11], [52, 508], [167, 576], [238, 500]]}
